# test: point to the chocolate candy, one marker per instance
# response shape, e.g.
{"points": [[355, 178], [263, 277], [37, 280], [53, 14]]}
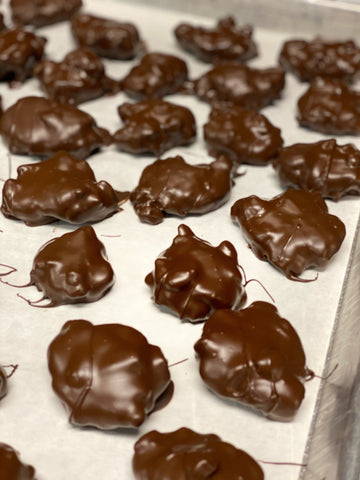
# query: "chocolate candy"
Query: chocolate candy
{"points": [[107, 37], [107, 376], [78, 78], [308, 59], [187, 455], [174, 187], [241, 85], [2, 24], [3, 385], [43, 12], [242, 135], [293, 231], [329, 106], [156, 75], [39, 126], [226, 41], [59, 188], [192, 278], [11, 468], [154, 126], [325, 167], [254, 357]]}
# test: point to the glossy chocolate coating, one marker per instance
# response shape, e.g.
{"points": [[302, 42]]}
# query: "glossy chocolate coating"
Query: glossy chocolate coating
{"points": [[3, 384], [192, 278], [59, 188], [242, 135], [157, 74], [42, 127], [72, 268], [174, 187], [241, 85], [107, 376], [293, 231], [187, 455], [309, 59], [226, 41], [154, 126], [325, 167], [254, 357], [43, 12], [19, 52], [11, 468], [78, 78], [107, 37], [329, 106]]}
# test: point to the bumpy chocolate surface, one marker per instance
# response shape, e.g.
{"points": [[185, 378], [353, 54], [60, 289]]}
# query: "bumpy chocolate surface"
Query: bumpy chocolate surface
{"points": [[59, 188], [3, 383], [325, 167], [308, 59], [329, 106], [107, 37], [241, 85], [226, 41], [11, 468], [78, 78], [293, 231], [192, 278], [42, 127], [19, 52], [187, 455], [154, 126], [107, 376], [174, 187], [72, 269], [43, 12], [157, 74], [242, 135], [254, 357]]}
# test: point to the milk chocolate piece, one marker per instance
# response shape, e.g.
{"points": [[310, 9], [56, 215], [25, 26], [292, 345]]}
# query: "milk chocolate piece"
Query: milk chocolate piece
{"points": [[43, 12], [78, 78], [242, 135], [59, 188], [325, 167], [174, 187], [154, 126], [329, 106], [241, 85], [157, 74], [107, 376], [226, 41], [187, 455], [293, 231], [11, 468], [107, 37], [254, 357], [42, 127], [193, 279], [3, 386]]}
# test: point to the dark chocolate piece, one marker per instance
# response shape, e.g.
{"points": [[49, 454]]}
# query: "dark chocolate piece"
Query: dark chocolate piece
{"points": [[329, 106], [107, 37], [187, 455], [325, 167], [2, 23], [43, 12], [242, 135], [59, 188], [241, 85], [192, 278], [78, 78], [107, 376], [154, 126], [254, 357], [174, 187], [157, 75], [3, 387], [293, 231], [226, 41], [42, 127], [11, 468]]}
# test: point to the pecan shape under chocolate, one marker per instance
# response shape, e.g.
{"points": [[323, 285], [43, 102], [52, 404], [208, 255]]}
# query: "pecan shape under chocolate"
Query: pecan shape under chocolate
{"points": [[43, 12], [11, 467]]}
